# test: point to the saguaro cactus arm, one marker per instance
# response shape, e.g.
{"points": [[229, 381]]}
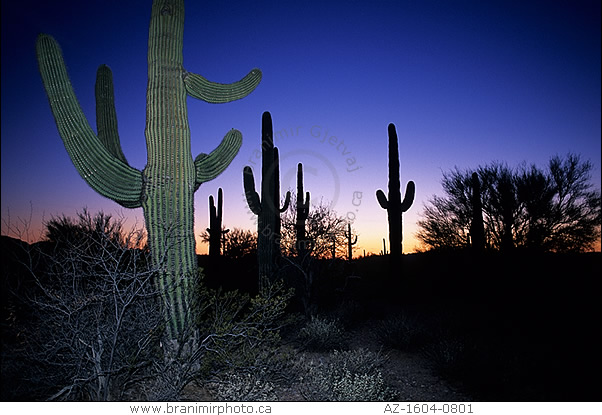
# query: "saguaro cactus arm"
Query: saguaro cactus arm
{"points": [[287, 200], [408, 199], [382, 199], [106, 115], [199, 87], [276, 199], [250, 192], [105, 172], [209, 166]]}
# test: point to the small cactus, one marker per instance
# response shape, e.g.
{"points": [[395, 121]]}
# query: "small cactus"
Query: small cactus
{"points": [[215, 225], [350, 242], [384, 250]]}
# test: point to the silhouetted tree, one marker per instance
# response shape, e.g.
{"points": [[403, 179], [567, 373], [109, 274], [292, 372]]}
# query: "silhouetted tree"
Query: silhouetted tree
{"points": [[97, 314], [574, 219], [500, 205], [237, 242], [553, 210], [63, 231], [324, 227]]}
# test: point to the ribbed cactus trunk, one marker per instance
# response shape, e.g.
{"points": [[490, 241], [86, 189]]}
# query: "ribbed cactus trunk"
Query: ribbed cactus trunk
{"points": [[477, 230], [166, 186], [301, 244], [267, 208], [169, 172], [394, 205]]}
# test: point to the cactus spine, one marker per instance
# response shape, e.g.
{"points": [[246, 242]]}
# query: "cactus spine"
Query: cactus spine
{"points": [[350, 243], [267, 208], [165, 187], [394, 205], [302, 243], [215, 225], [477, 230]]}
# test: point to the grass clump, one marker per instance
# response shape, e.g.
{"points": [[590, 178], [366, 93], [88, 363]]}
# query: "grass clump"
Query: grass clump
{"points": [[321, 334], [402, 332]]}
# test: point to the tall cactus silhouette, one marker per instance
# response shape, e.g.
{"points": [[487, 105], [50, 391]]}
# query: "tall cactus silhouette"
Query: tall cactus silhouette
{"points": [[215, 230], [267, 208], [302, 244], [165, 187], [477, 230], [394, 205], [350, 242]]}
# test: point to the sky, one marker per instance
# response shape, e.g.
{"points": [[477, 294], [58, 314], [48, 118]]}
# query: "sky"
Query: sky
{"points": [[466, 83]]}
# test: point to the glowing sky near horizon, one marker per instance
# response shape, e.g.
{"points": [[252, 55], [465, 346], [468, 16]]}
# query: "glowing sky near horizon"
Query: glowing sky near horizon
{"points": [[465, 82]]}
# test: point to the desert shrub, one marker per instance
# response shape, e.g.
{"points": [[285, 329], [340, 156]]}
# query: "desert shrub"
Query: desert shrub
{"points": [[346, 376], [402, 331], [358, 360], [240, 330], [237, 334], [321, 334], [450, 356], [95, 316], [350, 313], [273, 369], [245, 387], [95, 330]]}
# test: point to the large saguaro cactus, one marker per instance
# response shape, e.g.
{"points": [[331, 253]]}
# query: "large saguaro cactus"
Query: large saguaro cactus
{"points": [[267, 208], [394, 205], [165, 187]]}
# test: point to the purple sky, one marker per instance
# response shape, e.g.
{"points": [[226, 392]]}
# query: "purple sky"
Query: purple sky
{"points": [[465, 82]]}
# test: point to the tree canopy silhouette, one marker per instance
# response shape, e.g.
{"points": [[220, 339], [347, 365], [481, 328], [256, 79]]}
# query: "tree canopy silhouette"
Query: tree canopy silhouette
{"points": [[325, 230], [237, 242], [552, 210]]}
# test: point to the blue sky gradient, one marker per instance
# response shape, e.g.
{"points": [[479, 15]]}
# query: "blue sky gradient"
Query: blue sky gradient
{"points": [[465, 82]]}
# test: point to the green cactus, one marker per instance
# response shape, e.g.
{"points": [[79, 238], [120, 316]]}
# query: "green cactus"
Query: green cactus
{"points": [[165, 187], [477, 230], [350, 242], [267, 208], [394, 205], [302, 244], [215, 230]]}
